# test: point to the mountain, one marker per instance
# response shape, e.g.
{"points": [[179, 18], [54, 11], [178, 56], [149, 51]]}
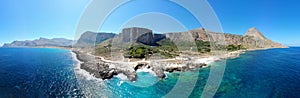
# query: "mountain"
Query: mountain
{"points": [[138, 35], [251, 40], [255, 33], [138, 42], [40, 42], [126, 36], [89, 39]]}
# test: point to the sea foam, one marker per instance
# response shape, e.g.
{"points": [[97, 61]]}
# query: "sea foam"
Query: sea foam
{"points": [[80, 73]]}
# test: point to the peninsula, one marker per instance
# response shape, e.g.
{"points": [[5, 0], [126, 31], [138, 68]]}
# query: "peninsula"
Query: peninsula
{"points": [[105, 55]]}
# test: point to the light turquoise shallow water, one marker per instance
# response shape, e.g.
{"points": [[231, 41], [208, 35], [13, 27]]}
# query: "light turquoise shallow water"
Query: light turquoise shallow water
{"points": [[261, 74]]}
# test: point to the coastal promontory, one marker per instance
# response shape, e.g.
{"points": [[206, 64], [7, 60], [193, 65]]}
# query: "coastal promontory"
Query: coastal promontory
{"points": [[138, 48]]}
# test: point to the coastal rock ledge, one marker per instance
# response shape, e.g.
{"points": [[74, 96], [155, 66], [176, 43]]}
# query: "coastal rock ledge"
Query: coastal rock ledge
{"points": [[104, 69]]}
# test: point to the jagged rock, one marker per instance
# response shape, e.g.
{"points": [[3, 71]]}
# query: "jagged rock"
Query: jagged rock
{"points": [[140, 66], [158, 69], [159, 72], [130, 75], [107, 74]]}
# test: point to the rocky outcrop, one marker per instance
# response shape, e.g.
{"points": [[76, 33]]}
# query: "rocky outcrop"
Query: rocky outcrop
{"points": [[40, 42], [102, 69], [107, 70]]}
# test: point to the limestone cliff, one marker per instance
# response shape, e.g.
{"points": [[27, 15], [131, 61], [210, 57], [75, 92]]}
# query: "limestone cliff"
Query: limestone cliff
{"points": [[138, 35]]}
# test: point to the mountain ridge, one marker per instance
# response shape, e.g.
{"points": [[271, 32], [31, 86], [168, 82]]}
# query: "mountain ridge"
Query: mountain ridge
{"points": [[252, 39], [40, 42]]}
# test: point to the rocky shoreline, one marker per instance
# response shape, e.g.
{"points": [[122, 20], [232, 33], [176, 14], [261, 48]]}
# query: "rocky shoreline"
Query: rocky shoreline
{"points": [[99, 68], [106, 69]]}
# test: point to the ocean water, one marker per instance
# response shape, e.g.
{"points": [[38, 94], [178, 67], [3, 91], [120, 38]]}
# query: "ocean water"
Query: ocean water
{"points": [[255, 74], [42, 72], [37, 72]]}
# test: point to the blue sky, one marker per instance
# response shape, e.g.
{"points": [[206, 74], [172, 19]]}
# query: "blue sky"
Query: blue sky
{"points": [[30, 19], [278, 20]]}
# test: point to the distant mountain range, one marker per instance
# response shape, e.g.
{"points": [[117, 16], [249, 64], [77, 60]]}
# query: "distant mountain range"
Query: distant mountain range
{"points": [[40, 43], [251, 40]]}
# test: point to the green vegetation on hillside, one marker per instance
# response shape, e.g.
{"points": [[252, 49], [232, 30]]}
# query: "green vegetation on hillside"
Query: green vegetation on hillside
{"points": [[139, 51], [234, 47], [166, 48], [103, 50], [203, 46]]}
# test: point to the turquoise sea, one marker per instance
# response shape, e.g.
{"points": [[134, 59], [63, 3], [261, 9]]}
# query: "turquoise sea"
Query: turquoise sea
{"points": [[43, 72]]}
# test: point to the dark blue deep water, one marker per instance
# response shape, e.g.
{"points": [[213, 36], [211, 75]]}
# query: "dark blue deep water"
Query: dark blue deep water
{"points": [[36, 72], [42, 72]]}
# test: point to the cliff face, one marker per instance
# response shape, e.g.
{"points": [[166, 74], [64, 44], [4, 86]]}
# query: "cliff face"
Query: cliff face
{"points": [[132, 34], [40, 42], [126, 36], [138, 35], [90, 39]]}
